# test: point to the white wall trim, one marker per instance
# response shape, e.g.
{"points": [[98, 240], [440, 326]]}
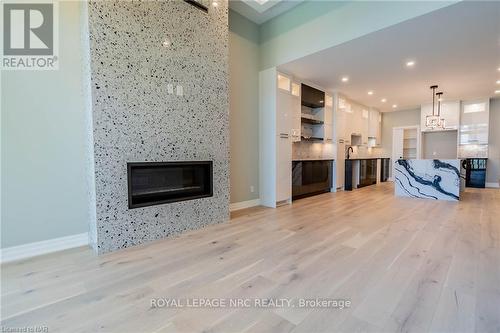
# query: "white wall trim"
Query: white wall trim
{"points": [[38, 248], [492, 185], [244, 204]]}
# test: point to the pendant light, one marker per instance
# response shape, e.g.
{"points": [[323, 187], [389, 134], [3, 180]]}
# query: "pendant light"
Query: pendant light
{"points": [[441, 122], [431, 122]]}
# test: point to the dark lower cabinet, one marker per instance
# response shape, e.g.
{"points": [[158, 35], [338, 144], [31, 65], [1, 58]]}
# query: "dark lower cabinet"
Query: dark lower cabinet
{"points": [[348, 175], [385, 164], [367, 172], [475, 172], [310, 178]]}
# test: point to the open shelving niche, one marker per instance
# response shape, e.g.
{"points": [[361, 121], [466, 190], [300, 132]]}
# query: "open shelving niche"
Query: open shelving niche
{"points": [[312, 123], [410, 143]]}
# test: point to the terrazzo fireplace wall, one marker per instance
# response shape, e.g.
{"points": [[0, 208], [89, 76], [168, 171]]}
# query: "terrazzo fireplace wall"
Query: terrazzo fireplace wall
{"points": [[136, 50]]}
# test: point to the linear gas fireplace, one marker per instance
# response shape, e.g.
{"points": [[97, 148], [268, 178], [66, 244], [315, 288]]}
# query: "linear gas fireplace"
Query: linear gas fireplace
{"points": [[157, 183]]}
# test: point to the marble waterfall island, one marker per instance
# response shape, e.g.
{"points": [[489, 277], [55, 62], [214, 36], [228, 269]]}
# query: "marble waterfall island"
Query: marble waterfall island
{"points": [[428, 179]]}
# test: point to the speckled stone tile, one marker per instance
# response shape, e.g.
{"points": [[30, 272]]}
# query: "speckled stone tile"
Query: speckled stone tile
{"points": [[136, 120]]}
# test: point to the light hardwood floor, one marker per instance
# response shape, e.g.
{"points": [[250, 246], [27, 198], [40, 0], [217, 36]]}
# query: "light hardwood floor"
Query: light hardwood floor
{"points": [[405, 264]]}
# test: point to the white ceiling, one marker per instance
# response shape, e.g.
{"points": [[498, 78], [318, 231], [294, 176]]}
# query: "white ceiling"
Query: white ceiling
{"points": [[457, 47], [259, 11]]}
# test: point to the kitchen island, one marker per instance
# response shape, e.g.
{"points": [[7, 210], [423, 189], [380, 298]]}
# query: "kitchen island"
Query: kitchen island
{"points": [[428, 179]]}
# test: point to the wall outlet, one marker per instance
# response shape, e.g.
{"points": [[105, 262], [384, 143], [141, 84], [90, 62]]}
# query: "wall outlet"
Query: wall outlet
{"points": [[252, 189], [180, 91]]}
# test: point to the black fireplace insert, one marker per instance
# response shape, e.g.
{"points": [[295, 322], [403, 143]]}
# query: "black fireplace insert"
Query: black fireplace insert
{"points": [[155, 183]]}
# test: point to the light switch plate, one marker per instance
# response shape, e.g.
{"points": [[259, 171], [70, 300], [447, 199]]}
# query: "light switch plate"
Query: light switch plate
{"points": [[180, 91], [170, 88]]}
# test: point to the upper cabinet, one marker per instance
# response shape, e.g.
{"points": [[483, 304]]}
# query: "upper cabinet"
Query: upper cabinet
{"points": [[312, 97], [450, 111], [365, 125], [474, 122], [328, 127], [357, 124], [296, 111], [316, 115], [374, 128]]}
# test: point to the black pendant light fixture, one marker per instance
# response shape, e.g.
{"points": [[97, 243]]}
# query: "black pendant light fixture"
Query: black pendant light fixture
{"points": [[431, 122], [441, 121], [435, 121]]}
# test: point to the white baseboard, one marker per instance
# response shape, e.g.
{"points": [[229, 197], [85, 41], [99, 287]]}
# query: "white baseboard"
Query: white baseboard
{"points": [[38, 248], [492, 185], [244, 204]]}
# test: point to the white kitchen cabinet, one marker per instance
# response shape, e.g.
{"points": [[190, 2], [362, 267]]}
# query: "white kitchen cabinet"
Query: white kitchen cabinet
{"points": [[375, 127], [328, 118], [284, 112], [296, 112], [365, 124], [347, 120], [356, 123], [450, 112], [340, 125], [283, 169], [277, 112], [474, 122]]}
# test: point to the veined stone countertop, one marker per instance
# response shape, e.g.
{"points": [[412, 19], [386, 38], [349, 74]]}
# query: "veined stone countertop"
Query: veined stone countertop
{"points": [[428, 178]]}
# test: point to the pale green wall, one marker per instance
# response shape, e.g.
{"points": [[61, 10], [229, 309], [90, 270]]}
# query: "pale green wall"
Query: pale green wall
{"points": [[244, 107], [396, 119], [316, 25], [44, 192]]}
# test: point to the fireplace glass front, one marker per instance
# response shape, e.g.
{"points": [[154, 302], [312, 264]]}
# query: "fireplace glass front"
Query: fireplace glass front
{"points": [[158, 183]]}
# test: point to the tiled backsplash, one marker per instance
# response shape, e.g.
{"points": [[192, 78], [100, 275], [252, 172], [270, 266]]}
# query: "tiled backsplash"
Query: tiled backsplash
{"points": [[305, 150], [366, 152], [470, 151]]}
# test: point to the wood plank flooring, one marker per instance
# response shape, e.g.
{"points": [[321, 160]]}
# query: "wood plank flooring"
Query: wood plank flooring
{"points": [[406, 265]]}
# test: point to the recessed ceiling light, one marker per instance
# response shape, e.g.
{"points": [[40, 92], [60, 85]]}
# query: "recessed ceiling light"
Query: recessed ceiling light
{"points": [[497, 91], [383, 100], [215, 4], [394, 106], [410, 63], [370, 92], [498, 81], [498, 69], [166, 43], [345, 79]]}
